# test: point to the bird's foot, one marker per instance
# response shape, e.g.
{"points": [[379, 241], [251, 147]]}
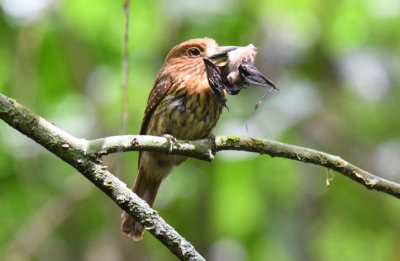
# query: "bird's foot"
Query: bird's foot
{"points": [[212, 150], [211, 137], [171, 140]]}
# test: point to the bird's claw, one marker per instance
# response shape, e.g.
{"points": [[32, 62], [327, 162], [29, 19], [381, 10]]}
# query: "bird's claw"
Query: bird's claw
{"points": [[171, 140]]}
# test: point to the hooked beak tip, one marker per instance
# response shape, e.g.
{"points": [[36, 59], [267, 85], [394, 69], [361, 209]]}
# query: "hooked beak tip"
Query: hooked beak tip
{"points": [[222, 54]]}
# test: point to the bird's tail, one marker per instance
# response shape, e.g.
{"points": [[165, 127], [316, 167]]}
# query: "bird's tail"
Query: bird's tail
{"points": [[147, 190]]}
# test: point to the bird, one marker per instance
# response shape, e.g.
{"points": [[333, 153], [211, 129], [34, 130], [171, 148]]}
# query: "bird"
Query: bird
{"points": [[181, 105]]}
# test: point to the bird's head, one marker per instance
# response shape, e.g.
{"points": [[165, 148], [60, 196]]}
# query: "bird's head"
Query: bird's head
{"points": [[189, 55]]}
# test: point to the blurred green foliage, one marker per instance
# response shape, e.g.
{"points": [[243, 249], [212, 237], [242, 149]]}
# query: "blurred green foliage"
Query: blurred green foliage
{"points": [[336, 64]]}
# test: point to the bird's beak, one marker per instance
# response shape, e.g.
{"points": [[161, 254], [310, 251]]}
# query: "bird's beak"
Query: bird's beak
{"points": [[222, 54]]}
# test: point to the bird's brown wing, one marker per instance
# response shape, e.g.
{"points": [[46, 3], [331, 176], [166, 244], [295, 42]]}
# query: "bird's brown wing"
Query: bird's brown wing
{"points": [[160, 88]]}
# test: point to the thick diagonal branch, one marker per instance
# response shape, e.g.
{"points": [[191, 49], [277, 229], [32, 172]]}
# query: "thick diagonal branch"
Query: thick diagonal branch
{"points": [[74, 151]]}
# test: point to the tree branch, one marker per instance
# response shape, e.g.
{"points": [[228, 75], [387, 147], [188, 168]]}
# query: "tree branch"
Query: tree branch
{"points": [[205, 150], [74, 151], [85, 155], [200, 149], [306, 155]]}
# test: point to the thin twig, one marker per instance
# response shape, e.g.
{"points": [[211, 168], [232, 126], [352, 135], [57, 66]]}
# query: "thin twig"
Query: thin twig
{"points": [[124, 83], [125, 68]]}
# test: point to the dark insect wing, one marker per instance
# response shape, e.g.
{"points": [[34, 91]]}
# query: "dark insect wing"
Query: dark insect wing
{"points": [[215, 80], [251, 75]]}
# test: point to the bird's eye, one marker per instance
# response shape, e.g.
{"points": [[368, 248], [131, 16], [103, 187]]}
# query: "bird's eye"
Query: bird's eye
{"points": [[194, 52]]}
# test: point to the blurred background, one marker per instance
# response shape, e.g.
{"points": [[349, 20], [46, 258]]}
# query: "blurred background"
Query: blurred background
{"points": [[336, 64]]}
